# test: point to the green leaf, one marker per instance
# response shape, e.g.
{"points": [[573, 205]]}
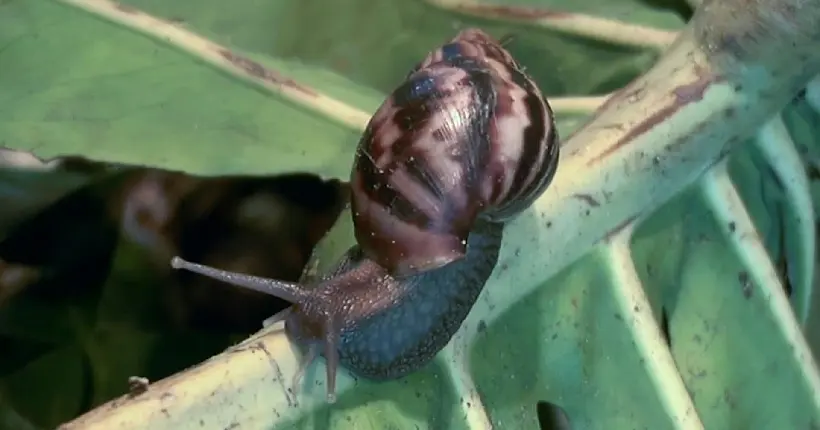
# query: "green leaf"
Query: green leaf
{"points": [[111, 94], [397, 33], [138, 88], [99, 90]]}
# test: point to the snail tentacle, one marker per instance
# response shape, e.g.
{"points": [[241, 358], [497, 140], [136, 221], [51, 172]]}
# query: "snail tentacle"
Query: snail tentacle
{"points": [[289, 291]]}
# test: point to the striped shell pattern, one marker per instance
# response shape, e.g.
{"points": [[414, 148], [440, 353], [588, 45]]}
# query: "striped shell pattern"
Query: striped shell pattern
{"points": [[467, 134]]}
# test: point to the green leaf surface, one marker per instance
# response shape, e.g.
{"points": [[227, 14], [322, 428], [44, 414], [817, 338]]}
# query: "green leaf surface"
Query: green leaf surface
{"points": [[111, 94], [105, 92], [397, 33]]}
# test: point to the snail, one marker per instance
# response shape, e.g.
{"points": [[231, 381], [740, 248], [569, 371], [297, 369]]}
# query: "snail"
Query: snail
{"points": [[465, 144]]}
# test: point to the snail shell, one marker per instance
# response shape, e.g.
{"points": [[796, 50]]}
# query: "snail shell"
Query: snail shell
{"points": [[467, 135], [465, 144]]}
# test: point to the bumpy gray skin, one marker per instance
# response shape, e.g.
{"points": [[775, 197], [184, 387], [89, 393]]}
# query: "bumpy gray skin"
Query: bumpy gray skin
{"points": [[390, 327], [377, 325]]}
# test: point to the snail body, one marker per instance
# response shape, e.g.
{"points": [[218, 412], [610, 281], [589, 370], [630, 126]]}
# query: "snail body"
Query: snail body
{"points": [[464, 145]]}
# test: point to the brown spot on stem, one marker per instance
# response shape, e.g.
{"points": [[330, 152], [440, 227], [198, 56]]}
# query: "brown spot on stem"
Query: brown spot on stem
{"points": [[588, 199], [610, 101], [511, 12], [635, 94], [630, 90], [620, 227], [694, 92], [638, 130], [684, 95], [745, 284], [261, 72]]}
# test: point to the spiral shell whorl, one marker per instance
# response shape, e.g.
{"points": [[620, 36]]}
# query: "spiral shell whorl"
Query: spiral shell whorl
{"points": [[467, 134]]}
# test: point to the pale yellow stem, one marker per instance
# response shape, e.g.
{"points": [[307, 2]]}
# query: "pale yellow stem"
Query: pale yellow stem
{"points": [[577, 105], [607, 30]]}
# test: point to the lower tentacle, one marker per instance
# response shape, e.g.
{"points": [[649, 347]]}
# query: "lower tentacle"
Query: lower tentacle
{"points": [[332, 336], [308, 357]]}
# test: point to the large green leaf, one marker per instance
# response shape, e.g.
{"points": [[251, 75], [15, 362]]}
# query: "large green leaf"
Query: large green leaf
{"points": [[375, 44], [135, 84], [100, 90]]}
